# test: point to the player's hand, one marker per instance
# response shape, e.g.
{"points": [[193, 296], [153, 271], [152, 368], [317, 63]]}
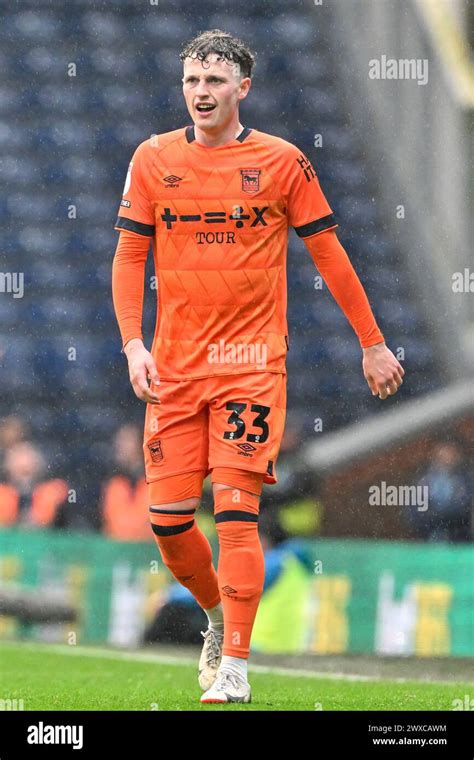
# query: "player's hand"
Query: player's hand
{"points": [[141, 367], [382, 370]]}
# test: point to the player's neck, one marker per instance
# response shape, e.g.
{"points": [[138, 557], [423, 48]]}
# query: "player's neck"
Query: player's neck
{"points": [[219, 138]]}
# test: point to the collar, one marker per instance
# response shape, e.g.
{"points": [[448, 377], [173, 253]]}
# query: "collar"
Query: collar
{"points": [[191, 137]]}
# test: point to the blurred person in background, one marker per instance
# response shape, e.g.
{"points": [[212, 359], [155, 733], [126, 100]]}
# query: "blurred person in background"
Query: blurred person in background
{"points": [[295, 495], [12, 430], [449, 497], [124, 493], [27, 497]]}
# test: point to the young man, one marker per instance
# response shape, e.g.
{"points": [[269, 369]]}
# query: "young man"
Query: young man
{"points": [[216, 199]]}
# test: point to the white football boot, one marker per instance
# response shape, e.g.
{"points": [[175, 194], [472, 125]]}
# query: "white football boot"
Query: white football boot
{"points": [[211, 656], [227, 688]]}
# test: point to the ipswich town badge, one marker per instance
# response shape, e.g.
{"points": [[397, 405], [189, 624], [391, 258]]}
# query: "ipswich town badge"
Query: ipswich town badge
{"points": [[156, 451], [250, 180]]}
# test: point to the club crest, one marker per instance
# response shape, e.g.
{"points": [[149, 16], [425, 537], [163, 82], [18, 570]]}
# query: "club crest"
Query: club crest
{"points": [[156, 451], [250, 180]]}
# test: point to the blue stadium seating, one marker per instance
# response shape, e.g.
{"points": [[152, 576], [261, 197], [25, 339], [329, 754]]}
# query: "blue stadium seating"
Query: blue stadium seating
{"points": [[68, 140]]}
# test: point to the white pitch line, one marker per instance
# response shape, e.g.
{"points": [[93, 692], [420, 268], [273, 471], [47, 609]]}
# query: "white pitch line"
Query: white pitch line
{"points": [[163, 659]]}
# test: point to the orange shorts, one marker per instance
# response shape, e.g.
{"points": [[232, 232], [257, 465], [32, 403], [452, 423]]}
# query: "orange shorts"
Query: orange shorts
{"points": [[232, 421]]}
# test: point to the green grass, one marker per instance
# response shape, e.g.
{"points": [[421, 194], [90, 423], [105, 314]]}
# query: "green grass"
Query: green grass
{"points": [[53, 678]]}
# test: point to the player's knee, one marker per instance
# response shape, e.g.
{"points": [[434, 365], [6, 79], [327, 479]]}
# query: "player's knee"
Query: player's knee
{"points": [[185, 504], [224, 478], [181, 491], [173, 518], [170, 524], [236, 513], [173, 504]]}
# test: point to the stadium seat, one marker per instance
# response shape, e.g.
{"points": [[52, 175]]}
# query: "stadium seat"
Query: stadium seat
{"points": [[75, 139]]}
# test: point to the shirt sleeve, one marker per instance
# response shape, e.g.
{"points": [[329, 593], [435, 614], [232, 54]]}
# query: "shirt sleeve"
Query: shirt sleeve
{"points": [[128, 283], [307, 208], [136, 213], [341, 278]]}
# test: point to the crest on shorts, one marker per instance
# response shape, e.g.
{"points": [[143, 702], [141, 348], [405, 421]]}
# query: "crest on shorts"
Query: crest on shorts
{"points": [[156, 451], [250, 180]]}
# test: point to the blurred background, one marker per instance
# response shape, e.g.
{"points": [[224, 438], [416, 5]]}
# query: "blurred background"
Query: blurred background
{"points": [[368, 533]]}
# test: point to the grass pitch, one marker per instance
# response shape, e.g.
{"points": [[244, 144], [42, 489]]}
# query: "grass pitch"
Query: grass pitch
{"points": [[51, 677]]}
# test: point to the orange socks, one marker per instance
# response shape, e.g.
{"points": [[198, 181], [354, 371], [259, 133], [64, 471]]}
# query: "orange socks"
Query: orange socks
{"points": [[240, 576], [186, 552], [241, 568]]}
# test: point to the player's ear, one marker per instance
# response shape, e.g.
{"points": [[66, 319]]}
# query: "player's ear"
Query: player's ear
{"points": [[245, 85]]}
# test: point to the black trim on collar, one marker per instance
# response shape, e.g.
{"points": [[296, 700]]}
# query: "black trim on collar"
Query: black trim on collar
{"points": [[190, 136], [244, 134]]}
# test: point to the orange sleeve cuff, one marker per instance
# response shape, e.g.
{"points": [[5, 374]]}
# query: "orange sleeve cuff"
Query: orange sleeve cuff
{"points": [[128, 283], [339, 275]]}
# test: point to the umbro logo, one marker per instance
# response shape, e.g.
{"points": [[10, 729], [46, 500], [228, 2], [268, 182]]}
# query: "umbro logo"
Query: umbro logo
{"points": [[172, 180], [246, 447], [229, 590]]}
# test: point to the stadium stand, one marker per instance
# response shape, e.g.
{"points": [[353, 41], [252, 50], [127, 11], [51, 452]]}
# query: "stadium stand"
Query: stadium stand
{"points": [[65, 143]]}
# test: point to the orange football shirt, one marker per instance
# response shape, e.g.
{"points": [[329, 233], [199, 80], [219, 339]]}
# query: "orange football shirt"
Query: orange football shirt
{"points": [[219, 220]]}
